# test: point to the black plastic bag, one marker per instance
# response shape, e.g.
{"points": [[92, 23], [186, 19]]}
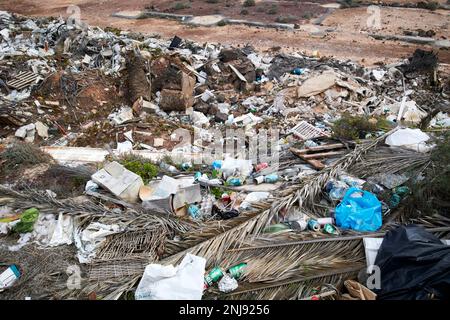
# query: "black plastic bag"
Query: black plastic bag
{"points": [[414, 265]]}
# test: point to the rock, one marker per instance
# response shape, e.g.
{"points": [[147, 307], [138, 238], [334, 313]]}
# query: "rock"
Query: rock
{"points": [[201, 106], [220, 98], [138, 85], [158, 142], [174, 100], [42, 129], [227, 55], [200, 89], [213, 109], [221, 117]]}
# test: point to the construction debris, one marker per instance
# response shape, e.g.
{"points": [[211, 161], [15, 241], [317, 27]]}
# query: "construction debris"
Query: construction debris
{"points": [[202, 171]]}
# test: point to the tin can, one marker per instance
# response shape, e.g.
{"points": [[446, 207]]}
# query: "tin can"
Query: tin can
{"points": [[271, 178], [259, 180], [330, 229], [261, 166], [299, 225], [298, 71], [313, 225], [213, 276], [324, 221], [237, 270]]}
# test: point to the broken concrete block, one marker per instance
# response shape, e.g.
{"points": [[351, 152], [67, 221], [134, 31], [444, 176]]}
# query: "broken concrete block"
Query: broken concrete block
{"points": [[121, 116], [42, 129], [121, 182], [316, 85], [22, 131], [158, 142], [149, 107], [174, 100]]}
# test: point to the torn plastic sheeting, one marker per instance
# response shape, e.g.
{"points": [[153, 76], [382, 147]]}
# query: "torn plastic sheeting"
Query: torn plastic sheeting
{"points": [[63, 232], [184, 282], [90, 239], [236, 167], [253, 197], [413, 139]]}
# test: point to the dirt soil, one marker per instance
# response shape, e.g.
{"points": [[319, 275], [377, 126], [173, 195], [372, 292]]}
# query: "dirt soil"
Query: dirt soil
{"points": [[263, 10], [343, 34]]}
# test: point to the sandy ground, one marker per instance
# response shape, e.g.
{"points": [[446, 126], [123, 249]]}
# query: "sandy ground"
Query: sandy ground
{"points": [[343, 34]]}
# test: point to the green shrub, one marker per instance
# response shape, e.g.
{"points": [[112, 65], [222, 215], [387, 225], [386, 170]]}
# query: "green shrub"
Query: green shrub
{"points": [[429, 5], [273, 10], [141, 166], [249, 3], [244, 12], [222, 23], [286, 19], [23, 154], [181, 6], [350, 127]]}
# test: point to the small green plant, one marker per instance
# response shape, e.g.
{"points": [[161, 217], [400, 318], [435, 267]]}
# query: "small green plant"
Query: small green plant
{"points": [[141, 166], [307, 16], [429, 5], [286, 19], [260, 9], [217, 192], [244, 12], [222, 23], [249, 3], [180, 6], [272, 10], [350, 127], [212, 1]]}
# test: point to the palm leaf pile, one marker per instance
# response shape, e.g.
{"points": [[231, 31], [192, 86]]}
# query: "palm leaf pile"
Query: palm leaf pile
{"points": [[283, 265]]}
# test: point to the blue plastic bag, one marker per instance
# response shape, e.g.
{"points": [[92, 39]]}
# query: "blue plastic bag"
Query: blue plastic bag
{"points": [[359, 210]]}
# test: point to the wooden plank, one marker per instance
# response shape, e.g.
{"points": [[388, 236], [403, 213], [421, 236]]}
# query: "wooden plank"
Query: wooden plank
{"points": [[240, 76], [320, 155], [316, 164], [326, 147]]}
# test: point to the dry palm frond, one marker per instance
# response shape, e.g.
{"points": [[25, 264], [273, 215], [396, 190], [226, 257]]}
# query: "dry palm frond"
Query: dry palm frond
{"points": [[133, 244], [43, 271], [388, 160], [281, 263], [212, 248], [296, 288], [43, 201], [117, 270]]}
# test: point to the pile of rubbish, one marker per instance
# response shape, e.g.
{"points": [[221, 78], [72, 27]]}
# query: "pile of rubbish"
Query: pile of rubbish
{"points": [[122, 147]]}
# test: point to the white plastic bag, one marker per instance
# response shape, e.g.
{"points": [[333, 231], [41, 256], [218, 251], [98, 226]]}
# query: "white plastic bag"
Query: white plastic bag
{"points": [[413, 139], [184, 282]]}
